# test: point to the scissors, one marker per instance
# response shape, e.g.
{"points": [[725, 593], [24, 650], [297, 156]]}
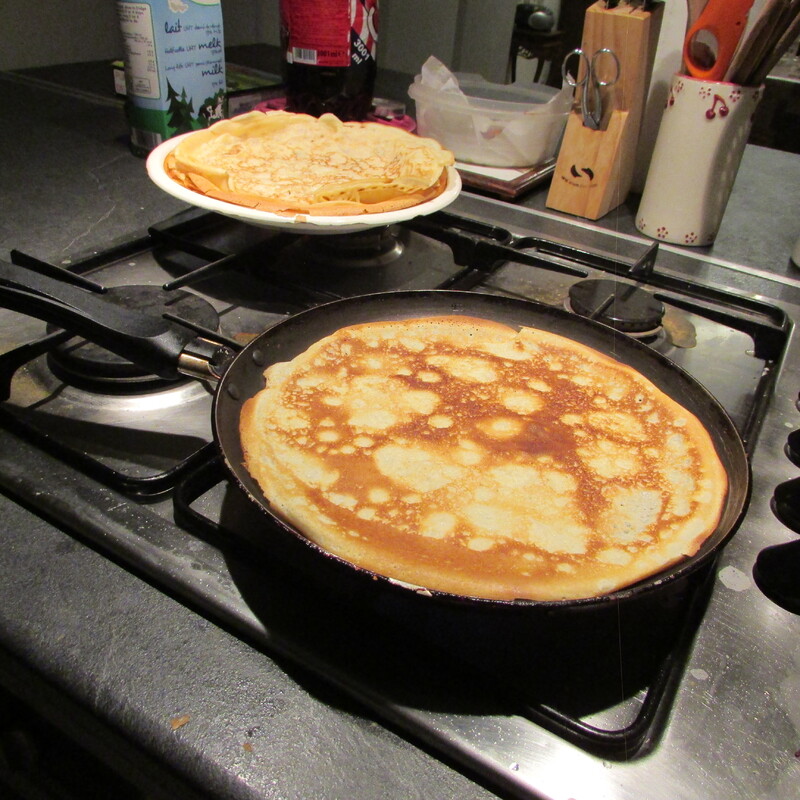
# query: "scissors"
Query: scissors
{"points": [[592, 111]]}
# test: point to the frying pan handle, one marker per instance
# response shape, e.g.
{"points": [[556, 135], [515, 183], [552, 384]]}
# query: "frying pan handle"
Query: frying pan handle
{"points": [[152, 342]]}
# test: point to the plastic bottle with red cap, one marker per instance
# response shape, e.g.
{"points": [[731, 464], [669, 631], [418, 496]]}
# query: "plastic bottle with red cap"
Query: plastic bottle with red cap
{"points": [[329, 49]]}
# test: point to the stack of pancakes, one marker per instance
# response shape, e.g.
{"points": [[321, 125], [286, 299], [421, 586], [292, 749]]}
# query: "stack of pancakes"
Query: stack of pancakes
{"points": [[289, 164], [459, 455]]}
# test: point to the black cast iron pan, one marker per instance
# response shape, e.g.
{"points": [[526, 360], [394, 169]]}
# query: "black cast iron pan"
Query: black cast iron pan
{"points": [[167, 348]]}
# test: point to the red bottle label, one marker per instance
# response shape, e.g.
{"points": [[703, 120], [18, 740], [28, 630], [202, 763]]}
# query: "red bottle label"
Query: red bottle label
{"points": [[364, 29], [329, 33]]}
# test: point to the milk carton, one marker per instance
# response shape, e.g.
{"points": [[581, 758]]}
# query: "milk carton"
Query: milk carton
{"points": [[174, 67]]}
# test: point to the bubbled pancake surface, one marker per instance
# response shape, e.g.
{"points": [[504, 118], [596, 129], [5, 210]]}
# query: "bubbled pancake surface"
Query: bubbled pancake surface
{"points": [[287, 163], [460, 455]]}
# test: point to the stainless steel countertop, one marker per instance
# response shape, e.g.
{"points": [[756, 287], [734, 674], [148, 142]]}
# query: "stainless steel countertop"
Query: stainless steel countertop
{"points": [[761, 222], [78, 622]]}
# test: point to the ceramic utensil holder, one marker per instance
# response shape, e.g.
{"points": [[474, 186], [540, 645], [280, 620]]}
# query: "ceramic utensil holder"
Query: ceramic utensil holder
{"points": [[697, 153]]}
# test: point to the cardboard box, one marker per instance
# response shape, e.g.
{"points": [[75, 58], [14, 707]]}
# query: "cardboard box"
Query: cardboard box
{"points": [[174, 67]]}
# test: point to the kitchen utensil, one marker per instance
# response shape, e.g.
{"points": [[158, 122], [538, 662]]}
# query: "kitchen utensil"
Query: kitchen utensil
{"points": [[724, 22], [783, 43], [299, 223], [775, 28], [752, 46], [170, 349], [590, 81], [781, 34]]}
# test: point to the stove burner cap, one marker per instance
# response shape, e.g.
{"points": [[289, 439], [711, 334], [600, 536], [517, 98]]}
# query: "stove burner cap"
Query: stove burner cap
{"points": [[88, 365], [623, 306]]}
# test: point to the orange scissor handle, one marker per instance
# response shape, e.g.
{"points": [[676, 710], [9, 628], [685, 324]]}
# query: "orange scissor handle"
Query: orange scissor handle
{"points": [[725, 20]]}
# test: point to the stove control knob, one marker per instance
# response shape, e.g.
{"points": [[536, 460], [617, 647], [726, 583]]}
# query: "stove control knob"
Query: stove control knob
{"points": [[777, 573], [786, 503], [793, 447]]}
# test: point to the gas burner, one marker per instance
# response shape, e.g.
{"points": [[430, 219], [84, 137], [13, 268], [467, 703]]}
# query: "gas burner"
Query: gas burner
{"points": [[623, 306], [375, 247], [89, 366]]}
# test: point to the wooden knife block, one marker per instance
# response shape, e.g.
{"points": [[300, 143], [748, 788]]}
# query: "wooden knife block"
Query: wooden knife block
{"points": [[594, 169]]}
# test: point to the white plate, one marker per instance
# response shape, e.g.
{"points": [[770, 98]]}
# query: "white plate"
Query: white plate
{"points": [[300, 222]]}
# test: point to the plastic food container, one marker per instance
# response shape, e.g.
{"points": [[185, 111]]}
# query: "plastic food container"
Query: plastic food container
{"points": [[497, 125]]}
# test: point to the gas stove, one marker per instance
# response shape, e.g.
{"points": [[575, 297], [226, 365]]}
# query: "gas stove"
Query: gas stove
{"points": [[608, 705]]}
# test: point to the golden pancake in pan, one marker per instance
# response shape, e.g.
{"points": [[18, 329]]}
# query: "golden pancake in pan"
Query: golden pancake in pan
{"points": [[460, 455], [289, 164]]}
